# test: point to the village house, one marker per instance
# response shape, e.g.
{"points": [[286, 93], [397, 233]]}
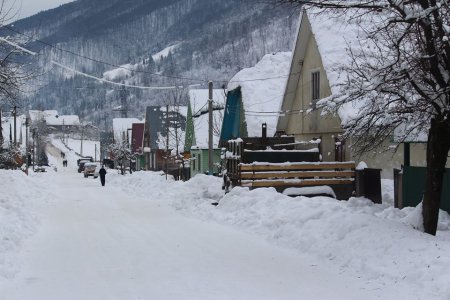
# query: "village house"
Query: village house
{"points": [[164, 131], [254, 98], [196, 144], [322, 45], [55, 123]]}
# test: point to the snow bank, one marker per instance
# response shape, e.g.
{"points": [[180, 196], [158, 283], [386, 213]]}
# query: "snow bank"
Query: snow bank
{"points": [[17, 220], [377, 242]]}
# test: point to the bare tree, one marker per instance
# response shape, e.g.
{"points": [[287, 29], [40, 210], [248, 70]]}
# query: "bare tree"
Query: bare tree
{"points": [[15, 70], [121, 153], [175, 122], [400, 78]]}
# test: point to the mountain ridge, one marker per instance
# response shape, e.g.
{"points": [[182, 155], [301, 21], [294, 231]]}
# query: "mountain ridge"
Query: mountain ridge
{"points": [[215, 40]]}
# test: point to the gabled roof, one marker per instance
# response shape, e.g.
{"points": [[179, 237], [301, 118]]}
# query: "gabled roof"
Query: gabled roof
{"points": [[262, 89], [121, 125], [335, 34]]}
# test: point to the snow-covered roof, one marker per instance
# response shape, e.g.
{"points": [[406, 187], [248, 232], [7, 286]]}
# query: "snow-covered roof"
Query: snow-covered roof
{"points": [[36, 115], [52, 118], [336, 34], [121, 125], [262, 89], [63, 120], [199, 103]]}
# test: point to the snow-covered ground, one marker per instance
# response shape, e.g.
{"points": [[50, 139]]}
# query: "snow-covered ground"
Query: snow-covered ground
{"points": [[142, 237]]}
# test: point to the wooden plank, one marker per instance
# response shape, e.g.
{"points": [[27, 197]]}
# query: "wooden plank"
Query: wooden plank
{"points": [[318, 182], [294, 166], [297, 174]]}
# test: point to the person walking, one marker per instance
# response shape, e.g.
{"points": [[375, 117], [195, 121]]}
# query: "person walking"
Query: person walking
{"points": [[102, 174]]}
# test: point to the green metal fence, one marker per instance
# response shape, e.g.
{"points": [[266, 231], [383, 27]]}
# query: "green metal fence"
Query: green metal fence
{"points": [[414, 187]]}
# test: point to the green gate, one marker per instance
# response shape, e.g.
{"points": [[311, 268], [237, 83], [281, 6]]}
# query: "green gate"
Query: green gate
{"points": [[414, 187]]}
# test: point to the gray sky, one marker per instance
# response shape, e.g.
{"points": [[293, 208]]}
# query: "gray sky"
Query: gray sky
{"points": [[27, 8]]}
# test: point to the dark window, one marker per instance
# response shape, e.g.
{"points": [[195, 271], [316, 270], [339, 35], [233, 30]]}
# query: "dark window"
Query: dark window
{"points": [[315, 87], [199, 161]]}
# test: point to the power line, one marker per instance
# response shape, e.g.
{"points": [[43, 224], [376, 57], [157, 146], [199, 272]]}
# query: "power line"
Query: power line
{"points": [[115, 83], [100, 61], [141, 71]]}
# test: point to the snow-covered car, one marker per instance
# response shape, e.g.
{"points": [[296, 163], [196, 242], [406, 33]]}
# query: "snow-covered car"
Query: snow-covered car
{"points": [[91, 169]]}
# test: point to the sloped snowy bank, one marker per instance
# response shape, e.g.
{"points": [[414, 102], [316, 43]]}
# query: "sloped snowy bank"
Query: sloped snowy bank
{"points": [[18, 198], [376, 241]]}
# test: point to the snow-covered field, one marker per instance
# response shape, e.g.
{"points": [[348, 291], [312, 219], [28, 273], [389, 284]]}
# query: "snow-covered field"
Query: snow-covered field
{"points": [[142, 237]]}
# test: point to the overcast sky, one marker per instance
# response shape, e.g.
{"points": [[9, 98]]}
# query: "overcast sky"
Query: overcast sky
{"points": [[27, 8]]}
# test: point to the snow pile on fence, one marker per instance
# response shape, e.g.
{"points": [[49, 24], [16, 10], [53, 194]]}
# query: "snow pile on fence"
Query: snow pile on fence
{"points": [[376, 241], [17, 221]]}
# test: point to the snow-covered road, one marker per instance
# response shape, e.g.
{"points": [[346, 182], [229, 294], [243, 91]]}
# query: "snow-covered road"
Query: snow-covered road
{"points": [[99, 243]]}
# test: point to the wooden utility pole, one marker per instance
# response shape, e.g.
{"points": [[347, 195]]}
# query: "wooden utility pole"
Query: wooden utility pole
{"points": [[210, 138], [1, 130], [27, 124], [167, 140], [81, 146], [34, 148], [15, 126]]}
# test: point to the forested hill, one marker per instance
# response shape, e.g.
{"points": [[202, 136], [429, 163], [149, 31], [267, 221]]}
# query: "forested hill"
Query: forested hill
{"points": [[207, 39]]}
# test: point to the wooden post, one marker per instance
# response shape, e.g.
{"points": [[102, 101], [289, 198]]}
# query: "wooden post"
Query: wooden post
{"points": [[210, 138], [167, 140], [15, 125]]}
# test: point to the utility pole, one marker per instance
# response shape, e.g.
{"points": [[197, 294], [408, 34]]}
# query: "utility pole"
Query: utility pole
{"points": [[15, 128], [210, 139], [10, 136], [167, 140], [34, 150], [27, 124], [123, 101], [1, 130], [81, 146]]}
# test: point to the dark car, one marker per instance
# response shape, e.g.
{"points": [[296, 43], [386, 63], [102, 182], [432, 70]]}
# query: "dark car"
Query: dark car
{"points": [[85, 159], [81, 166]]}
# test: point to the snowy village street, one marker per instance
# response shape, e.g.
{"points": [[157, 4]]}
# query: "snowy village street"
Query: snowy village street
{"points": [[101, 243]]}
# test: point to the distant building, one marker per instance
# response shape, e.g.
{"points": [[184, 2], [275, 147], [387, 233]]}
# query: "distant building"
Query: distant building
{"points": [[55, 123], [162, 126]]}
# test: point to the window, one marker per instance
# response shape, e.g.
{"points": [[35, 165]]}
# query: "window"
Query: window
{"points": [[193, 162], [199, 162], [315, 87]]}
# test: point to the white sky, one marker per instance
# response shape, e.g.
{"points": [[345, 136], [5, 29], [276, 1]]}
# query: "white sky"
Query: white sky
{"points": [[26, 8]]}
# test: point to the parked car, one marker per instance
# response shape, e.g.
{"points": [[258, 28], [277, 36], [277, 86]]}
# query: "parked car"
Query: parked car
{"points": [[81, 165], [90, 169], [85, 159]]}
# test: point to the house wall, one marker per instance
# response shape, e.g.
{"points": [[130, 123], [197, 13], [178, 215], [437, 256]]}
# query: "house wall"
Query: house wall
{"points": [[204, 161], [307, 125]]}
